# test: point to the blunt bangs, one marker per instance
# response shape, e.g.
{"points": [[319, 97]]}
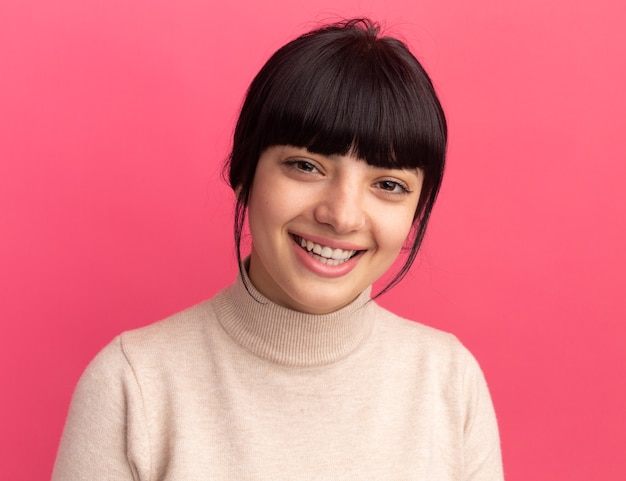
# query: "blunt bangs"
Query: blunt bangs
{"points": [[353, 94]]}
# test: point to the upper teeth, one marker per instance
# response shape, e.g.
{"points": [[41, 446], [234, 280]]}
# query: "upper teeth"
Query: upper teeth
{"points": [[325, 251]]}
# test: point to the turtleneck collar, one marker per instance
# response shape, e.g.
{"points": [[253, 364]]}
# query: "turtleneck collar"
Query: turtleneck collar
{"points": [[289, 337]]}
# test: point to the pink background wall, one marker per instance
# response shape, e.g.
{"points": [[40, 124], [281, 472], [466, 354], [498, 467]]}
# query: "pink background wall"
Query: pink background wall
{"points": [[115, 118]]}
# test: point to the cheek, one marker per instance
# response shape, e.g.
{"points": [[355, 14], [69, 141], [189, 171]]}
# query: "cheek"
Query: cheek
{"points": [[260, 201], [261, 216], [393, 230], [278, 202], [258, 213], [400, 241], [268, 212]]}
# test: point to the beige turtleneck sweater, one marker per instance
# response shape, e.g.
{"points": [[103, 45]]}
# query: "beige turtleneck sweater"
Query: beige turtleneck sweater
{"points": [[243, 389]]}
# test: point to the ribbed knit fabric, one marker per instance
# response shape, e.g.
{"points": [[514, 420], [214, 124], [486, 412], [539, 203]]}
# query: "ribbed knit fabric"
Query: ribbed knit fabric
{"points": [[290, 337], [239, 388]]}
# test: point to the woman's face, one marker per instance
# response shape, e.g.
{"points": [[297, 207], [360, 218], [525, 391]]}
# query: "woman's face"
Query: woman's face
{"points": [[325, 228]]}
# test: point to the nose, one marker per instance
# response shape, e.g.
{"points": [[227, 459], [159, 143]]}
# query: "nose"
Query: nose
{"points": [[341, 207]]}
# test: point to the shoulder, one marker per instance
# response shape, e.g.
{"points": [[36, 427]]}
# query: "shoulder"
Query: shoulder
{"points": [[440, 364], [182, 327], [174, 341], [167, 342], [428, 350]]}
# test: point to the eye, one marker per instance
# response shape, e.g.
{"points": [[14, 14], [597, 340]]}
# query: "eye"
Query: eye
{"points": [[302, 166], [392, 187]]}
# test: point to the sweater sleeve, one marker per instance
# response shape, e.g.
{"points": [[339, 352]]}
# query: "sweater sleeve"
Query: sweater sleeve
{"points": [[105, 433], [482, 455]]}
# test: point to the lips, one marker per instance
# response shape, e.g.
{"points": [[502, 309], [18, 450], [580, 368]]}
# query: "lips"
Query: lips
{"points": [[325, 254]]}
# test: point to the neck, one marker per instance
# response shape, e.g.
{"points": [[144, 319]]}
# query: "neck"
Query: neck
{"points": [[289, 337]]}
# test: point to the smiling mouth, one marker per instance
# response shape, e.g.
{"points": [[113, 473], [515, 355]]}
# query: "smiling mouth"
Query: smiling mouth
{"points": [[324, 254]]}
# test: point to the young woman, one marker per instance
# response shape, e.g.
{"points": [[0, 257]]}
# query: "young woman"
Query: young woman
{"points": [[294, 372]]}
